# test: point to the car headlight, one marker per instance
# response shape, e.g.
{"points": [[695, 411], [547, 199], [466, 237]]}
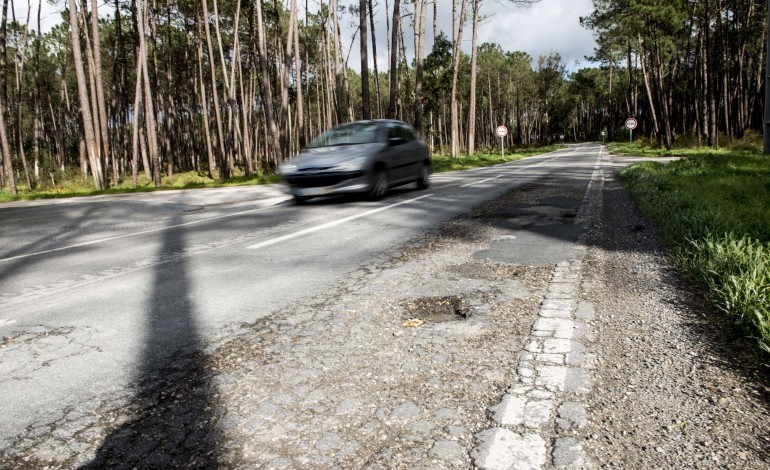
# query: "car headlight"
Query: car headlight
{"points": [[288, 169], [354, 164]]}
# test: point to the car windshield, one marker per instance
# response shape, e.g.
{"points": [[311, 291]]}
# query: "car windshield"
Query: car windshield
{"points": [[347, 134]]}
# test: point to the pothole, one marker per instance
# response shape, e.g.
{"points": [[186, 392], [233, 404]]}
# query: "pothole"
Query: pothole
{"points": [[438, 309]]}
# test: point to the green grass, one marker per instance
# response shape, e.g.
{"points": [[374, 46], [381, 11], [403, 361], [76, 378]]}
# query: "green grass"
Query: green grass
{"points": [[443, 163], [714, 211], [73, 185], [686, 146]]}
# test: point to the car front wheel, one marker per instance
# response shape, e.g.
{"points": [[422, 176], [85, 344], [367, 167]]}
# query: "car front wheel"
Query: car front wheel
{"points": [[379, 185], [423, 179]]}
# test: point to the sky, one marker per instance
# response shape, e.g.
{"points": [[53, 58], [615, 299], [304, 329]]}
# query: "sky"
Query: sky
{"points": [[538, 29]]}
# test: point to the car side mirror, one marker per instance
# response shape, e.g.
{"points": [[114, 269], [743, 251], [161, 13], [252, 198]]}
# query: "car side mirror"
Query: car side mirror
{"points": [[393, 141]]}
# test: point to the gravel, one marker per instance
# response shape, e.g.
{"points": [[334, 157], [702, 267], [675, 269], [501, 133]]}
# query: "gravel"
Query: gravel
{"points": [[675, 386]]}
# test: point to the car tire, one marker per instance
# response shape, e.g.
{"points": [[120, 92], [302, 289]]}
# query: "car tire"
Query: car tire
{"points": [[423, 179], [379, 185], [300, 200]]}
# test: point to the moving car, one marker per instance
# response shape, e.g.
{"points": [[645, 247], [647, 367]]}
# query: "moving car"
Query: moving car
{"points": [[367, 157]]}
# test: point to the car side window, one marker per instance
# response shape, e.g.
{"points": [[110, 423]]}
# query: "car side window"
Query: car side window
{"points": [[407, 134], [393, 131]]}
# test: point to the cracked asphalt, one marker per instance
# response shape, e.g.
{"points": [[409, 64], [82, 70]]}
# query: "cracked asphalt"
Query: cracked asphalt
{"points": [[174, 344]]}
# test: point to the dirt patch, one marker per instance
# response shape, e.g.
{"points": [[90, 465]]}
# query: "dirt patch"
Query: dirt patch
{"points": [[438, 309]]}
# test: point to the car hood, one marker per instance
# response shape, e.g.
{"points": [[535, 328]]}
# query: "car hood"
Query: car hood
{"points": [[322, 157]]}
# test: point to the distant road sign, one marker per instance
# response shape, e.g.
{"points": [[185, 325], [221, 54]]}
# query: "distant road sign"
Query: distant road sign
{"points": [[631, 123], [502, 131], [603, 134]]}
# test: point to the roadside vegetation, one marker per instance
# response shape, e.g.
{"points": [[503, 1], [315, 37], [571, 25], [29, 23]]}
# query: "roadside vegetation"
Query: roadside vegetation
{"points": [[442, 163], [73, 185], [713, 208]]}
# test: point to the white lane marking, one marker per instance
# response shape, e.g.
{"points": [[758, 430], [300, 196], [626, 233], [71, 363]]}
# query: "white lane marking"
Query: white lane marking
{"points": [[144, 232], [479, 182], [333, 223]]}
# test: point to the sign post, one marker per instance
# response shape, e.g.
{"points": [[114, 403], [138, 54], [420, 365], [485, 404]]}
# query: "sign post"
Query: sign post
{"points": [[502, 131], [631, 124], [603, 137]]}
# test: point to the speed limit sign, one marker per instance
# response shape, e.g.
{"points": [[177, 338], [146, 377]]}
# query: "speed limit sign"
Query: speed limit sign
{"points": [[501, 132], [631, 125]]}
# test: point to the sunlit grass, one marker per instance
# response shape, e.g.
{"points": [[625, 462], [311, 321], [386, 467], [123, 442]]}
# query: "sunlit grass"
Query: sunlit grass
{"points": [[76, 185], [714, 211]]}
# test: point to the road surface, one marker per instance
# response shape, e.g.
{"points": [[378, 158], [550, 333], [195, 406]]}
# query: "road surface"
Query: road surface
{"points": [[229, 327]]}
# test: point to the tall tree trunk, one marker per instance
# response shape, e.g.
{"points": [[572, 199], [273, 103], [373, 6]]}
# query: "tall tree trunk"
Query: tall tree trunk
{"points": [[472, 102], [420, 16], [647, 86], [338, 69], [21, 55], [374, 54], [204, 104], [135, 135], [215, 96], [709, 77], [284, 127], [298, 80], [267, 93], [393, 60], [455, 145], [36, 98], [365, 99], [149, 110], [101, 103], [85, 105]]}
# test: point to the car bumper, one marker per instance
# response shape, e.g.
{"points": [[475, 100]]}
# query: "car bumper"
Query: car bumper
{"points": [[328, 184]]}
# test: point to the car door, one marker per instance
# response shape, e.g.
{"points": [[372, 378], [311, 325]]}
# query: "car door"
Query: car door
{"points": [[411, 155], [394, 153]]}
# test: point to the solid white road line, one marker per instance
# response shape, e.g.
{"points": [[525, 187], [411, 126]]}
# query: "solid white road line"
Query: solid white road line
{"points": [[333, 223], [479, 182]]}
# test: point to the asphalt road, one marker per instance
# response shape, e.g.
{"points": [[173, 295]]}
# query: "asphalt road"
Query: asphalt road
{"points": [[103, 292]]}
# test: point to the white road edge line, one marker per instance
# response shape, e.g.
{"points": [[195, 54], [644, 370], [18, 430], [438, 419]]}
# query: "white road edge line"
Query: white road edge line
{"points": [[144, 232], [333, 223], [479, 182]]}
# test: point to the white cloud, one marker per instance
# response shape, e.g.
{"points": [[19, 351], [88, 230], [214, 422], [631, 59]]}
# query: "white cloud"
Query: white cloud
{"points": [[546, 26]]}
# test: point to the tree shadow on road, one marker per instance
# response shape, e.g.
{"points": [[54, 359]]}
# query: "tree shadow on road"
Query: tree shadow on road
{"points": [[172, 420]]}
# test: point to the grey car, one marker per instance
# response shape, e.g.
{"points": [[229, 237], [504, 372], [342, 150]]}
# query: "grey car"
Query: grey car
{"points": [[359, 157]]}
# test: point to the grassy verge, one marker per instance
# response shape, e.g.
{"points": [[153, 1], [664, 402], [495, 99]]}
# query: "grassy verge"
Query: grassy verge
{"points": [[74, 185], [77, 186], [714, 211], [443, 163], [686, 146]]}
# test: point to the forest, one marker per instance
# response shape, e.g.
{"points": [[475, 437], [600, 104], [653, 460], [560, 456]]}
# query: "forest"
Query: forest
{"points": [[230, 87]]}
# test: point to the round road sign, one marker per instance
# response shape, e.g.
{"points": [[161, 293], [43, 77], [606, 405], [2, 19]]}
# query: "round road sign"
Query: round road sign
{"points": [[502, 131], [631, 123]]}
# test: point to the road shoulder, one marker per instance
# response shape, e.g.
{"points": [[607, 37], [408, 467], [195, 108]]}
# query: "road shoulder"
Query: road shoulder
{"points": [[671, 387]]}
